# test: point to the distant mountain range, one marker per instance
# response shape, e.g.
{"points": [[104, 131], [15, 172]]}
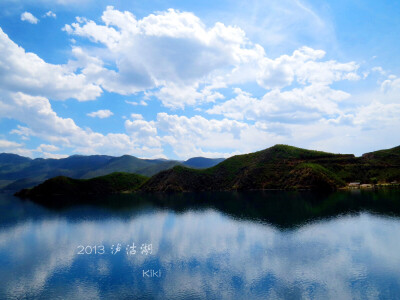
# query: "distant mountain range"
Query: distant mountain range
{"points": [[18, 172], [279, 167], [202, 162]]}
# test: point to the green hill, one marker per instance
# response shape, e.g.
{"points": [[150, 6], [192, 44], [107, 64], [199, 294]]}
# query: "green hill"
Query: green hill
{"points": [[282, 167], [383, 165], [389, 156], [113, 183], [272, 168]]}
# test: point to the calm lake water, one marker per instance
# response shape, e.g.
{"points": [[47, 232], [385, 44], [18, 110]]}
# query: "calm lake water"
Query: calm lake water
{"points": [[254, 245]]}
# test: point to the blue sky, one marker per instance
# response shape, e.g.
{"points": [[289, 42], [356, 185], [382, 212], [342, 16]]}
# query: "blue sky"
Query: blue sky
{"points": [[178, 79]]}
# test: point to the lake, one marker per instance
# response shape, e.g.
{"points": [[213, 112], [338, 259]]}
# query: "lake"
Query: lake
{"points": [[226, 245]]}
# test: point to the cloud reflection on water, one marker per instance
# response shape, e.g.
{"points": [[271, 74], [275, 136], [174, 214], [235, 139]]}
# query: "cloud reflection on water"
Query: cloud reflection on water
{"points": [[203, 254]]}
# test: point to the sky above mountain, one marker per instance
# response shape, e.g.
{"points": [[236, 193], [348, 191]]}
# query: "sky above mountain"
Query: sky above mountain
{"points": [[180, 79]]}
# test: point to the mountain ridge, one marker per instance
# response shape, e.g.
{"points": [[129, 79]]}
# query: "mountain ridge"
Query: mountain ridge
{"points": [[280, 167], [202, 162], [18, 172]]}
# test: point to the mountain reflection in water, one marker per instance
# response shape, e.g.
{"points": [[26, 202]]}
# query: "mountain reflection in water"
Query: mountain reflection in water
{"points": [[209, 245]]}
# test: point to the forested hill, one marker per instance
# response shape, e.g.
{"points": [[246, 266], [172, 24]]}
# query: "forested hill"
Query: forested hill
{"points": [[117, 182], [279, 167], [282, 167]]}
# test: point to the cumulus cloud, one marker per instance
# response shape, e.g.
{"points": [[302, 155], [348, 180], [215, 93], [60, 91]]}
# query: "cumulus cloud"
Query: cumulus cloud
{"points": [[42, 122], [25, 72], [50, 14], [171, 50], [103, 113], [28, 17], [304, 66], [391, 86], [182, 62], [298, 105], [174, 57], [378, 115], [144, 132], [371, 127], [198, 136], [174, 96]]}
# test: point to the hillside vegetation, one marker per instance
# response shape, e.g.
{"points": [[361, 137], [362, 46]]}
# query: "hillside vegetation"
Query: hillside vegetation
{"points": [[282, 167], [113, 183], [279, 167]]}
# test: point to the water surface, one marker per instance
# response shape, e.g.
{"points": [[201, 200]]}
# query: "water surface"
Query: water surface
{"points": [[253, 245]]}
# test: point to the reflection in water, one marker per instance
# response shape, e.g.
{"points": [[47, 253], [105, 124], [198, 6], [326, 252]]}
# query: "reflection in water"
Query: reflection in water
{"points": [[222, 245]]}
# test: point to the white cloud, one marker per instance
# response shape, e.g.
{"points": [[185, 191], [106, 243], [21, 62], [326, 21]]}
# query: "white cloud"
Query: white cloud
{"points": [[103, 113], [304, 66], [50, 14], [131, 102], [298, 105], [22, 131], [174, 96], [198, 136], [25, 72], [391, 86], [363, 129], [47, 148], [42, 122], [144, 132], [4, 144], [13, 147], [172, 55], [171, 50], [47, 151], [380, 70], [378, 115], [28, 17], [137, 116], [134, 103]]}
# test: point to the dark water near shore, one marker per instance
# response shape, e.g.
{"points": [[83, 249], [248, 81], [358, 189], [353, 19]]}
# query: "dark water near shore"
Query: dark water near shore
{"points": [[228, 245]]}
